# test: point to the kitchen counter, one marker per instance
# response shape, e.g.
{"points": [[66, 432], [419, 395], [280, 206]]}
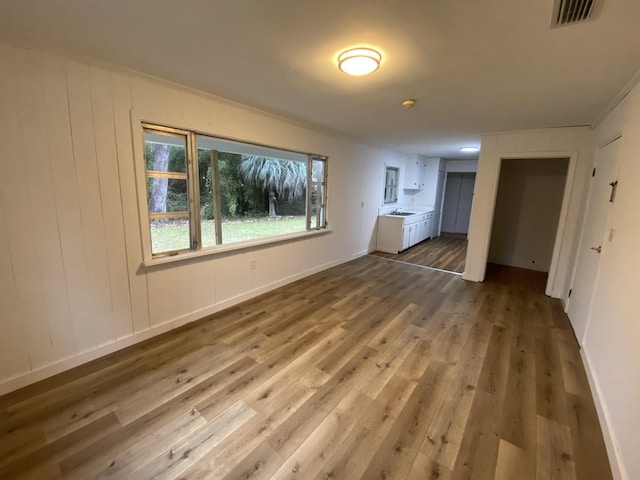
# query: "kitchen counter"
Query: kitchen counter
{"points": [[403, 229]]}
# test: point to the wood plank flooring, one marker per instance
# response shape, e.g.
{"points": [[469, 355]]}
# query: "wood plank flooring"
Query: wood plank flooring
{"points": [[446, 252], [371, 370]]}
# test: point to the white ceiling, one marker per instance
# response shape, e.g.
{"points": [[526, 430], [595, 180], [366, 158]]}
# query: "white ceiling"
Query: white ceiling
{"points": [[473, 66]]}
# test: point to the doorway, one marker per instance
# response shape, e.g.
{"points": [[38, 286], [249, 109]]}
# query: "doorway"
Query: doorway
{"points": [[527, 212], [456, 205]]}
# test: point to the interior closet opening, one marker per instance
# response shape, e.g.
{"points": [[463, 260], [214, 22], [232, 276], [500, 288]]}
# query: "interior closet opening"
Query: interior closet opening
{"points": [[527, 212]]}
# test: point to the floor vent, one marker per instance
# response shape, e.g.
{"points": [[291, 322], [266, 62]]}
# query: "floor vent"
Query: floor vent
{"points": [[569, 12]]}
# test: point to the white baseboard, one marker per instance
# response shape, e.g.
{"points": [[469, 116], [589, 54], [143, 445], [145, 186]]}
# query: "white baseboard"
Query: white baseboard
{"points": [[617, 465], [60, 366]]}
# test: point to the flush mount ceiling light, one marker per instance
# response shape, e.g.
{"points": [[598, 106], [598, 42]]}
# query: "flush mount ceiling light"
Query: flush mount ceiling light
{"points": [[408, 103], [469, 149], [359, 61]]}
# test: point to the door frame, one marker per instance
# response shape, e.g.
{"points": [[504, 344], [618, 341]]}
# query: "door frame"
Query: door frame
{"points": [[562, 222]]}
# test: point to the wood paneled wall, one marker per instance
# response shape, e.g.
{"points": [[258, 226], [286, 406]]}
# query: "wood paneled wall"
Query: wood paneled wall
{"points": [[72, 284]]}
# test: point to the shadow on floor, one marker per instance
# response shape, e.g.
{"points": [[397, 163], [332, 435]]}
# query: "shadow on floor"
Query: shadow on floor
{"points": [[517, 277]]}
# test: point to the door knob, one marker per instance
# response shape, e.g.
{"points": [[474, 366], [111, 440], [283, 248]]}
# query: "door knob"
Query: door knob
{"points": [[597, 249]]}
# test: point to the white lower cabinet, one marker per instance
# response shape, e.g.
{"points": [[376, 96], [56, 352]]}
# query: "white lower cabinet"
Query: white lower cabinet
{"points": [[406, 237], [397, 233]]}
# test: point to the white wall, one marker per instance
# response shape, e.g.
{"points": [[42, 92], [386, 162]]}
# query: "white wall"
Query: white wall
{"points": [[573, 142], [610, 347], [527, 211], [72, 285], [462, 166]]}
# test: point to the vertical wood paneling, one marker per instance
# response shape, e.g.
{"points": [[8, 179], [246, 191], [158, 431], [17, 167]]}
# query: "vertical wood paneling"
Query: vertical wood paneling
{"points": [[121, 88], [14, 358], [35, 151], [103, 119], [91, 207], [230, 277], [150, 96], [68, 200], [163, 295], [13, 337], [185, 287], [19, 223], [203, 285]]}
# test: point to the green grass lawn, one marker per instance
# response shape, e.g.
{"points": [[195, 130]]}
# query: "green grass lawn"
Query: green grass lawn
{"points": [[175, 236]]}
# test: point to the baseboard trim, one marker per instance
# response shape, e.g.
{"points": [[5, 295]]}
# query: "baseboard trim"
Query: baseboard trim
{"points": [[60, 366], [616, 463]]}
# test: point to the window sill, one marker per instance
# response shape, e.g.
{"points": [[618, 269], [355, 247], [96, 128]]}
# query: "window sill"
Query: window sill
{"points": [[232, 247]]}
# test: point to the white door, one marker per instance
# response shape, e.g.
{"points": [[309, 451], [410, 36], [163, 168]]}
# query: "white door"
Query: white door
{"points": [[435, 221], [464, 205], [450, 204], [458, 198], [593, 236]]}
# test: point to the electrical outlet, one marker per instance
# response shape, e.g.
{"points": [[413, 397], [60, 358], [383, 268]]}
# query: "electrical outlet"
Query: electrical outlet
{"points": [[252, 264]]}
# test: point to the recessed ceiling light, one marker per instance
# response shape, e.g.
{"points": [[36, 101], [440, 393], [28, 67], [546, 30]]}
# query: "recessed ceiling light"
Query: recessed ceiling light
{"points": [[469, 149], [359, 61]]}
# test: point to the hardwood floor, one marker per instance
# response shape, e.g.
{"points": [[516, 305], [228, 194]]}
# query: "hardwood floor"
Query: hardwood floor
{"points": [[372, 370], [446, 252]]}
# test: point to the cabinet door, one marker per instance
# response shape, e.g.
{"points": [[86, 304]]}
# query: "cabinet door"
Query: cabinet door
{"points": [[422, 233], [422, 174], [414, 174], [406, 237], [413, 234]]}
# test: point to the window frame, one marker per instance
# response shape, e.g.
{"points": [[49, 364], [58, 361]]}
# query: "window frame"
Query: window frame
{"points": [[194, 213], [393, 188]]}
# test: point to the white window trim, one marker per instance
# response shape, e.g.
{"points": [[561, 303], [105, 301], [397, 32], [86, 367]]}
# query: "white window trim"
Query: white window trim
{"points": [[148, 260], [232, 247]]}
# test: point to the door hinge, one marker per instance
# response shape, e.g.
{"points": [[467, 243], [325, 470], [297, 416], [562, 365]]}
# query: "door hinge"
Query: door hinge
{"points": [[570, 290], [593, 174]]}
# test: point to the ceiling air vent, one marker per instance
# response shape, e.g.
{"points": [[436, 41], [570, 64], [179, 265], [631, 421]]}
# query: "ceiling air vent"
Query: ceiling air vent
{"points": [[569, 12]]}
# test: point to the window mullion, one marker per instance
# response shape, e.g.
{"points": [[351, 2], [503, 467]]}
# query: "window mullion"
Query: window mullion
{"points": [[215, 174], [194, 193], [309, 206]]}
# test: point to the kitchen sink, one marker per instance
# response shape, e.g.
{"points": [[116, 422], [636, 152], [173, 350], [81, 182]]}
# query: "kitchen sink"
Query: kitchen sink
{"points": [[401, 214]]}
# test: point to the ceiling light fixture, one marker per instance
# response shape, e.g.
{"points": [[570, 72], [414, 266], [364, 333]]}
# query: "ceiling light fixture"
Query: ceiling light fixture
{"points": [[470, 149], [359, 61], [408, 103]]}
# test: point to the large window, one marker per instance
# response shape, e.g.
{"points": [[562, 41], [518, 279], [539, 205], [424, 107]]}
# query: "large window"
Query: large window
{"points": [[202, 191]]}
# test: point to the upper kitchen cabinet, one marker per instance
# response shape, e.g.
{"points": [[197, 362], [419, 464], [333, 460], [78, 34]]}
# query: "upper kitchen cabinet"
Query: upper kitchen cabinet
{"points": [[415, 170]]}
